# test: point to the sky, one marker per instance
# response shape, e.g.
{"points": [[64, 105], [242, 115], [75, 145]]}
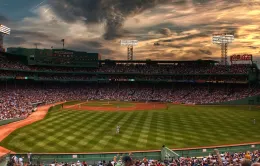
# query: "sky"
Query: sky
{"points": [[165, 29]]}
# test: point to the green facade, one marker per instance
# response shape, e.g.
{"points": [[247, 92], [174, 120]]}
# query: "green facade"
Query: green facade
{"points": [[56, 57]]}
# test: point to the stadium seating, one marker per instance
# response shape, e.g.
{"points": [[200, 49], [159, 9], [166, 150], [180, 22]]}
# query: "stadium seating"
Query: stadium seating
{"points": [[22, 85], [134, 68], [16, 99]]}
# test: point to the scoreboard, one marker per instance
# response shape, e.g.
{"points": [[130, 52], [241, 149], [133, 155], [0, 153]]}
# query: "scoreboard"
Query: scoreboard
{"points": [[243, 57]]}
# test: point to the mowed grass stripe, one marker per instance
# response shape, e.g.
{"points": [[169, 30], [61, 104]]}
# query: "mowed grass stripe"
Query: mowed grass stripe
{"points": [[129, 129], [179, 126], [121, 140], [111, 138], [107, 127], [94, 131]]}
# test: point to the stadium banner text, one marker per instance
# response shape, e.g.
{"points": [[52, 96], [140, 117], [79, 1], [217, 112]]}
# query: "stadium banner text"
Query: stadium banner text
{"points": [[244, 57]]}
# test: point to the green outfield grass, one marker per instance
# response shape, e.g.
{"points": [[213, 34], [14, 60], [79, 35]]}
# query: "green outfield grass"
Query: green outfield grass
{"points": [[108, 104], [177, 127]]}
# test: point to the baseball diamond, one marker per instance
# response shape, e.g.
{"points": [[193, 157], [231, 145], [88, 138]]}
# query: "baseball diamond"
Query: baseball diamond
{"points": [[77, 129]]}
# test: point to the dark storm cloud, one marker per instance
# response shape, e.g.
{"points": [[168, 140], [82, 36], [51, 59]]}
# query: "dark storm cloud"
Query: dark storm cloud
{"points": [[137, 20], [3, 19], [221, 26], [206, 30], [186, 37], [181, 45], [112, 12], [199, 52], [38, 44], [93, 44], [29, 33], [253, 47], [208, 52], [170, 26], [256, 37], [165, 31]]}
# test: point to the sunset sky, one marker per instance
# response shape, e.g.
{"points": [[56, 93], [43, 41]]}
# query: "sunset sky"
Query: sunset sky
{"points": [[183, 28]]}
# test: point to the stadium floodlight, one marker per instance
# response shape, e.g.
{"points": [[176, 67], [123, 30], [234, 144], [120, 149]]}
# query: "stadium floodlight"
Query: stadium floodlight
{"points": [[130, 47], [129, 42], [223, 40], [4, 30]]}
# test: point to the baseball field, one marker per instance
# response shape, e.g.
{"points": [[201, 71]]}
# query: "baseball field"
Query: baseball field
{"points": [[91, 127]]}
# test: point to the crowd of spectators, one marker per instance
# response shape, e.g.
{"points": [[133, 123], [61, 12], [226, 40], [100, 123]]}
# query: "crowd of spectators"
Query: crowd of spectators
{"points": [[15, 101], [183, 78], [135, 68], [10, 64], [67, 77], [217, 159], [11, 105], [84, 77]]}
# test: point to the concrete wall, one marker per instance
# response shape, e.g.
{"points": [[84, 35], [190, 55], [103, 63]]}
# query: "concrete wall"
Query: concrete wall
{"points": [[3, 122]]}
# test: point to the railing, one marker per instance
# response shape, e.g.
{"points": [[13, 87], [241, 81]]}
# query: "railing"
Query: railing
{"points": [[4, 159]]}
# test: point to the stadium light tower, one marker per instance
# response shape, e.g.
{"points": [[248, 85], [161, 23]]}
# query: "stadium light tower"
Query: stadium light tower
{"points": [[130, 47], [4, 30], [223, 40]]}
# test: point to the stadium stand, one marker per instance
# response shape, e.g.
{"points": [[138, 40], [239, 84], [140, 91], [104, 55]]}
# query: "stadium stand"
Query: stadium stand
{"points": [[25, 80], [19, 97], [187, 82], [135, 68]]}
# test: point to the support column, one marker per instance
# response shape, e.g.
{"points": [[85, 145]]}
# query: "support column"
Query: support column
{"points": [[130, 52]]}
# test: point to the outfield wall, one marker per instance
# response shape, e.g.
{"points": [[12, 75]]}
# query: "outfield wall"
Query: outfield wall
{"points": [[4, 122], [93, 158]]}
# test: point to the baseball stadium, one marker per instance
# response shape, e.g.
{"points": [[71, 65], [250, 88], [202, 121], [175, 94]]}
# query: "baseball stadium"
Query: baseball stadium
{"points": [[62, 107]]}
